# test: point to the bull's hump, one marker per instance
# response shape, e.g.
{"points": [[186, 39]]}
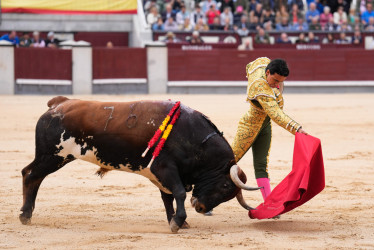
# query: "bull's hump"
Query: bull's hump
{"points": [[56, 101]]}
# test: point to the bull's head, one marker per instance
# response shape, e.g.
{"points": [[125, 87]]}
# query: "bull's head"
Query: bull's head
{"points": [[223, 189]]}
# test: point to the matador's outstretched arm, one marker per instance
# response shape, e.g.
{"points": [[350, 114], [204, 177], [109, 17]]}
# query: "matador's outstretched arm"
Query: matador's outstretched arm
{"points": [[275, 113]]}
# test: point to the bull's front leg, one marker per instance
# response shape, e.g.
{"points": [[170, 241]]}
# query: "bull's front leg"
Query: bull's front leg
{"points": [[177, 221], [169, 207], [169, 177]]}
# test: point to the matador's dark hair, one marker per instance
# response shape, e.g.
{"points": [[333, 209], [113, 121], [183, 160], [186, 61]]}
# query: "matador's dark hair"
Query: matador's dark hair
{"points": [[278, 66]]}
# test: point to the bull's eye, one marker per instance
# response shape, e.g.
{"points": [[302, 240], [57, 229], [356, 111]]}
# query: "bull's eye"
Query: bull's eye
{"points": [[225, 185]]}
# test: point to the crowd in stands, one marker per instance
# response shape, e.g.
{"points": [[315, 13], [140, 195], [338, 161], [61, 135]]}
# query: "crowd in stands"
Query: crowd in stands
{"points": [[263, 16], [35, 41]]}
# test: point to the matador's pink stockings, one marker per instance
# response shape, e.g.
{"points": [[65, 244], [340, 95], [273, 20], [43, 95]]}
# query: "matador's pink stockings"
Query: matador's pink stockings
{"points": [[264, 182]]}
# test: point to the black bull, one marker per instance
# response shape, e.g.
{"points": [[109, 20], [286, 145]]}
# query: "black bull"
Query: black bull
{"points": [[114, 136]]}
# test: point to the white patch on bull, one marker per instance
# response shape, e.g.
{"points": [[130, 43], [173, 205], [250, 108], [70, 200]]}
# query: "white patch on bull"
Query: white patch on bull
{"points": [[69, 147], [152, 122]]}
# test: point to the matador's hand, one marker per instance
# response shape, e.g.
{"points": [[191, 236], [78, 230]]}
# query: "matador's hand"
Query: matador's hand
{"points": [[302, 131]]}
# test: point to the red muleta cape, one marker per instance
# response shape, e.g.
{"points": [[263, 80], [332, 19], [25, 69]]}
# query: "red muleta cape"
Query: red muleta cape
{"points": [[305, 181]]}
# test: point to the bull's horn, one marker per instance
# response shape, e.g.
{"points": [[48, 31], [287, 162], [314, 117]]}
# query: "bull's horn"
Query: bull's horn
{"points": [[234, 174], [242, 202]]}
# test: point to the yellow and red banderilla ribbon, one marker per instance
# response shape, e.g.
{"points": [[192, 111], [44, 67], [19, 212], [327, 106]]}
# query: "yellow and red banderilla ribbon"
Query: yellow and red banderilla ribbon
{"points": [[166, 133]]}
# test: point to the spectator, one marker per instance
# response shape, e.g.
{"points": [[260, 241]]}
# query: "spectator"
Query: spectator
{"points": [[254, 24], [330, 25], [370, 26], [182, 15], [314, 25], [152, 16], [186, 26], [37, 42], [340, 16], [283, 25], [206, 5], [170, 38], [295, 15], [227, 26], [159, 25], [262, 37], [11, 37], [252, 6], [168, 13], [351, 17], [238, 14], [367, 14], [312, 38], [225, 4], [299, 3], [268, 16], [196, 15], [344, 27], [334, 5], [319, 6], [325, 16], [149, 5], [283, 39], [342, 39], [361, 6], [312, 12], [357, 38], [268, 4], [170, 24], [281, 13], [329, 39], [25, 40], [357, 24], [300, 26], [177, 5], [279, 3], [216, 25], [109, 45], [211, 14], [268, 26], [242, 5], [301, 39], [227, 14], [195, 38], [242, 28], [257, 12], [51, 41], [201, 25]]}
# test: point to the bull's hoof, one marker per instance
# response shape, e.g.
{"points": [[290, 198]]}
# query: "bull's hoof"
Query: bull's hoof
{"points": [[173, 226], [185, 225], [25, 220]]}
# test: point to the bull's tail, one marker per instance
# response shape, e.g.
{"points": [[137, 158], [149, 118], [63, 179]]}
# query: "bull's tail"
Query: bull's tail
{"points": [[56, 101], [101, 172]]}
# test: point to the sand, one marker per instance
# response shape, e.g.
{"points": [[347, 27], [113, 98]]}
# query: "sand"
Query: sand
{"points": [[77, 210]]}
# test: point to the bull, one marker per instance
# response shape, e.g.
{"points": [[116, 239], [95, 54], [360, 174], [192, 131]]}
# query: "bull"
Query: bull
{"points": [[113, 136]]}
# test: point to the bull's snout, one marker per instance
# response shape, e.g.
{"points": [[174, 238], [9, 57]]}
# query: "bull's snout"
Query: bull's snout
{"points": [[200, 208]]}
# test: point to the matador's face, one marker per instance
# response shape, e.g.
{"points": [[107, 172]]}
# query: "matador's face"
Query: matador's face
{"points": [[275, 79]]}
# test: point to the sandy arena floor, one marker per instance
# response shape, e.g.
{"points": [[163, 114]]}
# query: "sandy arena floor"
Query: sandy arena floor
{"points": [[77, 210]]}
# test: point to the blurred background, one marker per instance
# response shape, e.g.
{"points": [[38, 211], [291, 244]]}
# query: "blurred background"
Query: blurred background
{"points": [[176, 46]]}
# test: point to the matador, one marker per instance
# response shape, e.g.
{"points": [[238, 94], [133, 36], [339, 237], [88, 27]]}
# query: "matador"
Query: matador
{"points": [[264, 93]]}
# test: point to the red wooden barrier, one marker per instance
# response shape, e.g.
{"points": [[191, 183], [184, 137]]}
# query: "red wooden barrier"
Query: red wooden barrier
{"points": [[43, 63], [119, 63], [305, 65]]}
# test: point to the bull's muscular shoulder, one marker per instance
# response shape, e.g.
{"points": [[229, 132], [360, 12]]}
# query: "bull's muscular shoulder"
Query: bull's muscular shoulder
{"points": [[56, 101]]}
